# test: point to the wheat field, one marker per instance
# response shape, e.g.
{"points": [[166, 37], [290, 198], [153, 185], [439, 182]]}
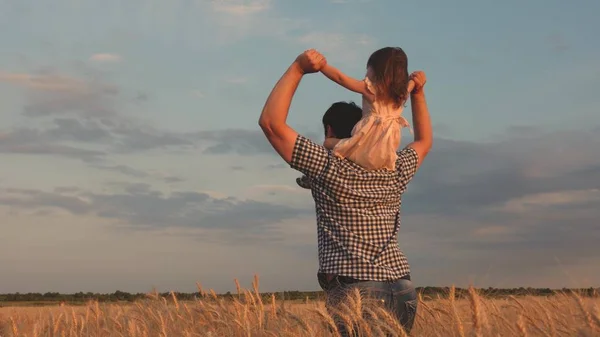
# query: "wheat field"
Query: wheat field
{"points": [[563, 314]]}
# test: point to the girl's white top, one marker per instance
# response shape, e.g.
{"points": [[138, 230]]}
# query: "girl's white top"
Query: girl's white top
{"points": [[376, 137]]}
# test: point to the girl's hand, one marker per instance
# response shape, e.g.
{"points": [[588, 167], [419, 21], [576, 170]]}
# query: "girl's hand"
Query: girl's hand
{"points": [[311, 61], [419, 79]]}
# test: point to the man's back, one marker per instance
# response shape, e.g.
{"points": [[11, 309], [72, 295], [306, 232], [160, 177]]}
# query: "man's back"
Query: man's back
{"points": [[357, 212]]}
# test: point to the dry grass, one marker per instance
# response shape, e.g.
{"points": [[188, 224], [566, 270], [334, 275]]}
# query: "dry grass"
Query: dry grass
{"points": [[247, 315]]}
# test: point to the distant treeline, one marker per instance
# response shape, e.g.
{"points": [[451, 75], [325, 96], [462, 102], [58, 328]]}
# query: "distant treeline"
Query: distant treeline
{"points": [[426, 292]]}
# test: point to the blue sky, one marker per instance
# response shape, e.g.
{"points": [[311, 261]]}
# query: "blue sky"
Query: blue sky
{"points": [[131, 156]]}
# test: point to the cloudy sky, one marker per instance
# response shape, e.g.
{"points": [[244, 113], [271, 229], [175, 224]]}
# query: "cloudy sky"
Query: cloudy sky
{"points": [[130, 155]]}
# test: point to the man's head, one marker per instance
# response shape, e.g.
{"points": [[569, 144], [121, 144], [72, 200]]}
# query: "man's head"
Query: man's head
{"points": [[340, 118]]}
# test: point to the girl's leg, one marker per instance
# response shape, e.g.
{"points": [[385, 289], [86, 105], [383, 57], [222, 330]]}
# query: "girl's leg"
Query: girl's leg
{"points": [[330, 143]]}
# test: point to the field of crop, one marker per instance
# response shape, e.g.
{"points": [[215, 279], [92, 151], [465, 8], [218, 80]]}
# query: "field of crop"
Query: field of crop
{"points": [[248, 315]]}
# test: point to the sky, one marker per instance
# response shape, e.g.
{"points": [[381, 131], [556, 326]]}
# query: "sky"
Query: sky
{"points": [[131, 157]]}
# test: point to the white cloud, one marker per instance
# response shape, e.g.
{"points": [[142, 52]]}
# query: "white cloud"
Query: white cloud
{"points": [[348, 1], [228, 21], [274, 189], [241, 8], [197, 94], [551, 199], [334, 41], [105, 57], [51, 93], [279, 194], [338, 47], [52, 83], [492, 231]]}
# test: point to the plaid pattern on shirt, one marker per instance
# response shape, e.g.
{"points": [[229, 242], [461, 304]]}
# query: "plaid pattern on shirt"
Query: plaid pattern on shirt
{"points": [[358, 212]]}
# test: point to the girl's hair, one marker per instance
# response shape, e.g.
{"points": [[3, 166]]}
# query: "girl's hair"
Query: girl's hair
{"points": [[390, 72]]}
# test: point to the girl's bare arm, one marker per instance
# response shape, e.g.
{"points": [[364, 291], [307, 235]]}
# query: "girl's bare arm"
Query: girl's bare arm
{"points": [[352, 84], [344, 80]]}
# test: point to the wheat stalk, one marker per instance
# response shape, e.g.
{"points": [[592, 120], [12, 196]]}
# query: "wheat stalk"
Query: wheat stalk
{"points": [[556, 315]]}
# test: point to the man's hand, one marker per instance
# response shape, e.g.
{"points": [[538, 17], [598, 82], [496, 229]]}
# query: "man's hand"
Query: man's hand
{"points": [[311, 61], [419, 79]]}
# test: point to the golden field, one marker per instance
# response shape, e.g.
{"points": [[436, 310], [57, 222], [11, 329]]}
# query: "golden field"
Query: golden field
{"points": [[247, 315]]}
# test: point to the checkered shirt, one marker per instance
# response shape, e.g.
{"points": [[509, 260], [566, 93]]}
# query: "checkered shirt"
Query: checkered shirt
{"points": [[358, 212]]}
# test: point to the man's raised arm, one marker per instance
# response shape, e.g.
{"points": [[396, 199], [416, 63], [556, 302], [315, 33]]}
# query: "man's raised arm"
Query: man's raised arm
{"points": [[273, 119], [421, 120]]}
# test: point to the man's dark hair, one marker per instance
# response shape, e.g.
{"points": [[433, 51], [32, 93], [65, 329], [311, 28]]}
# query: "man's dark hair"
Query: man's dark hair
{"points": [[341, 117]]}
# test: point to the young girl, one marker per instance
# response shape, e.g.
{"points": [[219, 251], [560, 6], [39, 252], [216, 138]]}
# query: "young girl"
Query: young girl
{"points": [[376, 137]]}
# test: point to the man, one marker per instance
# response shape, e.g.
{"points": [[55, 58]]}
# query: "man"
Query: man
{"points": [[358, 211], [338, 122]]}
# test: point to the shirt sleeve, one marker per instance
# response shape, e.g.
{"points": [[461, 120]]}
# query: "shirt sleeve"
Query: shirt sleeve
{"points": [[406, 165], [308, 157]]}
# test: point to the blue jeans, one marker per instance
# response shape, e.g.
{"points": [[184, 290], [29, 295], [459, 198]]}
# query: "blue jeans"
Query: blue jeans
{"points": [[399, 297]]}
